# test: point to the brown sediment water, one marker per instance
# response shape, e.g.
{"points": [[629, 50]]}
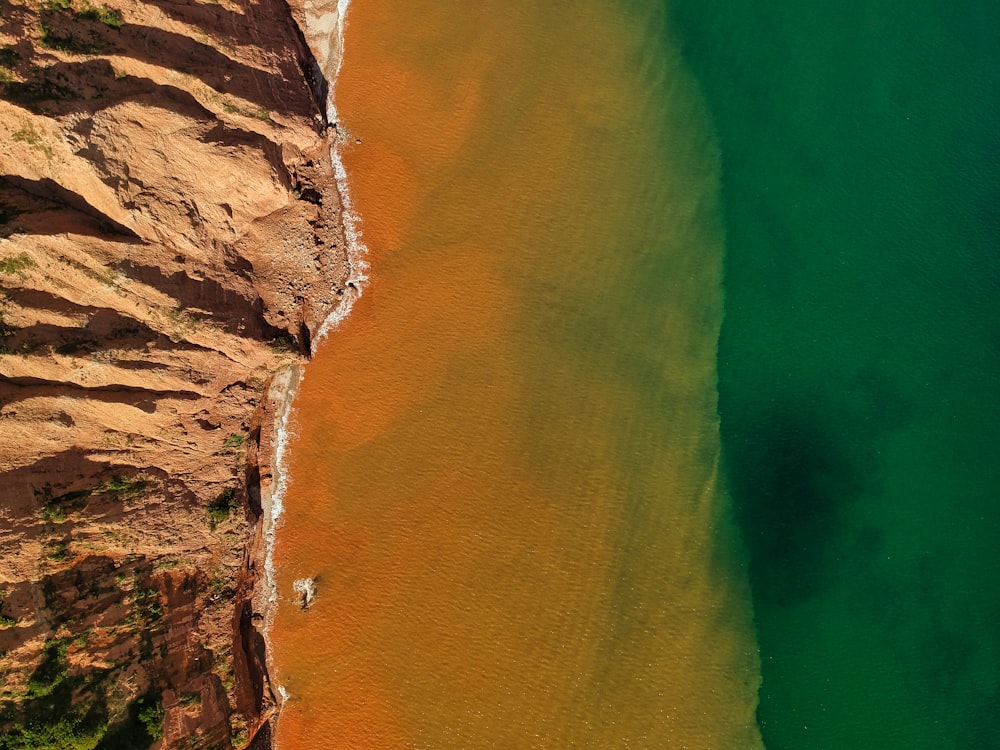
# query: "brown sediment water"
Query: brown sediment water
{"points": [[503, 473]]}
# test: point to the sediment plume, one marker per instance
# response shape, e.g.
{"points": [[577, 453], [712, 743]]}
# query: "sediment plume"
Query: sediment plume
{"points": [[171, 246]]}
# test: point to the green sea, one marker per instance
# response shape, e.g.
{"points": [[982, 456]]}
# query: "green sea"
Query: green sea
{"points": [[859, 359]]}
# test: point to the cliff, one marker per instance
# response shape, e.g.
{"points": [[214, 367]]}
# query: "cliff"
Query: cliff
{"points": [[170, 238]]}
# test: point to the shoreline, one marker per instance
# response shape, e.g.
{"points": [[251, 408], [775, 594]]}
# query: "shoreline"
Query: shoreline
{"points": [[326, 48], [255, 603], [281, 394], [150, 352]]}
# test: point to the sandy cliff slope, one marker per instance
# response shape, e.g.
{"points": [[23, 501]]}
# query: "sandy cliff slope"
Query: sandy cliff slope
{"points": [[169, 239]]}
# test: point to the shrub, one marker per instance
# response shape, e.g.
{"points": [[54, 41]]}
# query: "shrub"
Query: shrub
{"points": [[234, 441], [32, 92], [124, 487], [105, 15], [59, 733], [52, 670], [220, 508], [142, 726], [52, 39], [57, 550], [151, 716], [49, 718], [53, 513]]}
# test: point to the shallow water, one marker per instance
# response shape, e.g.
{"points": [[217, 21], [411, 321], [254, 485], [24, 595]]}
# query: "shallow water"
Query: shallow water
{"points": [[505, 470], [859, 360]]}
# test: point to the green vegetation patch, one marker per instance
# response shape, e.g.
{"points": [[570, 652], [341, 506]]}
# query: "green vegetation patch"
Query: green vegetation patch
{"points": [[142, 727], [56, 509], [19, 262], [221, 507], [64, 41], [282, 344], [124, 487], [53, 513], [33, 92], [234, 441], [65, 708], [54, 722], [57, 550], [27, 133], [58, 733], [52, 670], [146, 606], [103, 14], [48, 720], [8, 59], [151, 717]]}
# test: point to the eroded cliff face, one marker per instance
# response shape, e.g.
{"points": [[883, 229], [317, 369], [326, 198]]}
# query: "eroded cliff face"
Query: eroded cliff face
{"points": [[169, 239]]}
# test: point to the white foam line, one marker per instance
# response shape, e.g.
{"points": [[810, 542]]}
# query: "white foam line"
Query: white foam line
{"points": [[325, 34], [282, 434], [285, 385], [325, 28]]}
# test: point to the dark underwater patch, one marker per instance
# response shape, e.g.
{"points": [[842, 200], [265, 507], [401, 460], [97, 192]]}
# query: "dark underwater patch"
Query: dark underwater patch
{"points": [[792, 485]]}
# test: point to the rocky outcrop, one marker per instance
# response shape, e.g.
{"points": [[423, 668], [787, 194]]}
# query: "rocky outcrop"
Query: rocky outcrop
{"points": [[169, 239]]}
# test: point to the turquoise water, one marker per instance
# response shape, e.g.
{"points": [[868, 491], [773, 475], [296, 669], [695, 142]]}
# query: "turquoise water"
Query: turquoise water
{"points": [[859, 358]]}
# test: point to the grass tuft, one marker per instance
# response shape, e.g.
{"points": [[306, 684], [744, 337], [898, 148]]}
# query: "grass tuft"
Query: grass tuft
{"points": [[124, 487], [19, 262], [53, 513], [234, 441]]}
